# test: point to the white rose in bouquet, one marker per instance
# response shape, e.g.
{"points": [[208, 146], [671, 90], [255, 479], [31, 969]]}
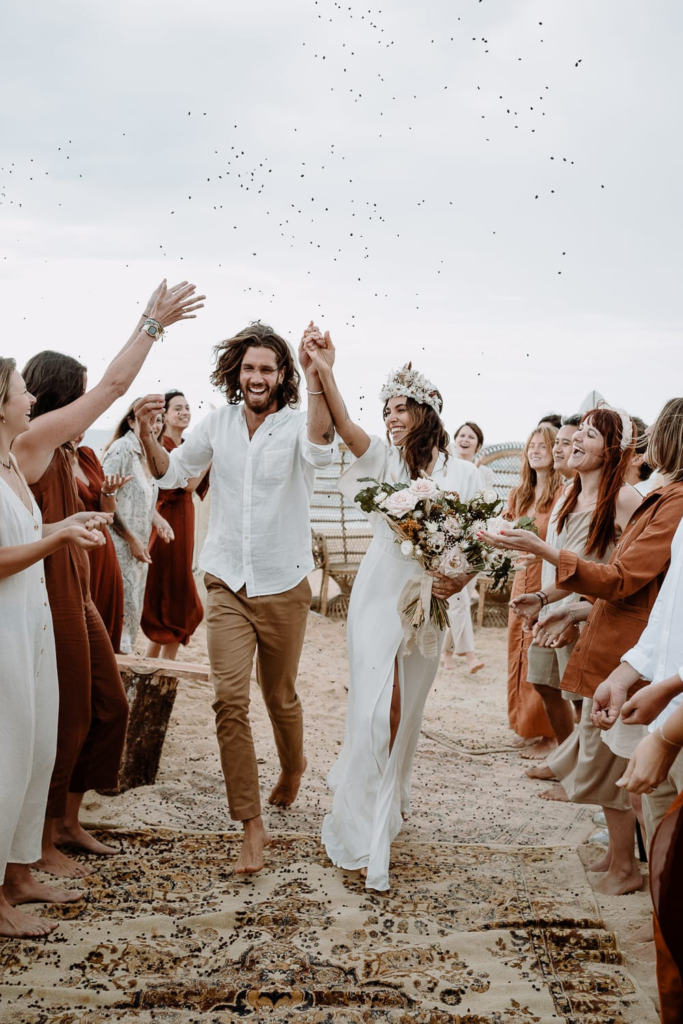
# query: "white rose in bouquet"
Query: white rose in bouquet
{"points": [[407, 548], [454, 563], [452, 526], [424, 488], [495, 525], [490, 496], [400, 502]]}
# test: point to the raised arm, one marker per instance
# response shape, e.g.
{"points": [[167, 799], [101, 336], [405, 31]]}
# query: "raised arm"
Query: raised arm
{"points": [[322, 354], [35, 448]]}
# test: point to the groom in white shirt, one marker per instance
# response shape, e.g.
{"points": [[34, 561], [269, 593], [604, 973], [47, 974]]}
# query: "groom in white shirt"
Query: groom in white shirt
{"points": [[257, 554]]}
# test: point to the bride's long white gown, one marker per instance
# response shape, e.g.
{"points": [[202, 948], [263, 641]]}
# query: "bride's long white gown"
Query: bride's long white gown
{"points": [[371, 787]]}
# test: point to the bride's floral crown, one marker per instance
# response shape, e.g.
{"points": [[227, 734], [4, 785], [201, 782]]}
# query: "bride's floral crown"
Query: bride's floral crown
{"points": [[411, 384]]}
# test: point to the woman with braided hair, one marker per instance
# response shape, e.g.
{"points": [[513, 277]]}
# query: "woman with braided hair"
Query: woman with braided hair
{"points": [[388, 688]]}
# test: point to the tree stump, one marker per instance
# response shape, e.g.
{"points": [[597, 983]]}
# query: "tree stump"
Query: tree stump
{"points": [[151, 686]]}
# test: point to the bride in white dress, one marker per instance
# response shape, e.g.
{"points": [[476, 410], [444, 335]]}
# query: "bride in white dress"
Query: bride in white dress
{"points": [[388, 688]]}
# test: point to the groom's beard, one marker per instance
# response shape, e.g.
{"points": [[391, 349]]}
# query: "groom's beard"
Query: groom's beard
{"points": [[259, 403]]}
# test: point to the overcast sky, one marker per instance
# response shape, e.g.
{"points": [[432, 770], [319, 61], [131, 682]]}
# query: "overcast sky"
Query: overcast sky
{"points": [[490, 188]]}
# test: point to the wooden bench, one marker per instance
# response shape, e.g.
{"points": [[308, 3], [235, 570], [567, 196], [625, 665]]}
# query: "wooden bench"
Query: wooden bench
{"points": [[151, 685]]}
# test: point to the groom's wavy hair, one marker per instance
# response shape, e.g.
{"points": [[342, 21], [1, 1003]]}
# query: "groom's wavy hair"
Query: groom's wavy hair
{"points": [[230, 353], [602, 531], [426, 433]]}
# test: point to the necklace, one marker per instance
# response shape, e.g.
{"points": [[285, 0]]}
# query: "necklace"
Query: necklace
{"points": [[6, 465]]}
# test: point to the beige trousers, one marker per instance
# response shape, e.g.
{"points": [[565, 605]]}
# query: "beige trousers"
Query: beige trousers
{"points": [[656, 804], [587, 768], [273, 628]]}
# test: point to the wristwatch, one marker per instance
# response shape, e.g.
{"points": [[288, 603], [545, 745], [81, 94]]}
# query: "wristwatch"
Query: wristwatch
{"points": [[153, 328]]}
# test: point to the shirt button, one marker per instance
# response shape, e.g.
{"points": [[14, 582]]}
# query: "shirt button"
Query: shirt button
{"points": [[35, 527]]}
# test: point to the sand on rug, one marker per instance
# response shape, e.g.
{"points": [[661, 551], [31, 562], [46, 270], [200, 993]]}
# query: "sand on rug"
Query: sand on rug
{"points": [[472, 934]]}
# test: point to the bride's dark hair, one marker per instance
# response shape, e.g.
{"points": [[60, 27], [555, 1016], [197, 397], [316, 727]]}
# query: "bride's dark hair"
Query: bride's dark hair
{"points": [[426, 433]]}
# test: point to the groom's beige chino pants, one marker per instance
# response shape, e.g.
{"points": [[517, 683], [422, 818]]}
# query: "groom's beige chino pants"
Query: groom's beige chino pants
{"points": [[272, 628]]}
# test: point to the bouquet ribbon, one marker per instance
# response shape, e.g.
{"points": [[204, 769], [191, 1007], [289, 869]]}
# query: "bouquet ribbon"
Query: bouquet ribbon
{"points": [[419, 628]]}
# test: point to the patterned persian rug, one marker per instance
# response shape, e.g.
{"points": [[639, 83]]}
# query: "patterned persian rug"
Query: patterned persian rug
{"points": [[471, 934]]}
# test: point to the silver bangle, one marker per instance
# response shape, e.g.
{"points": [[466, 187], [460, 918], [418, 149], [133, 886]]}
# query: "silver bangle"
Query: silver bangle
{"points": [[670, 742], [314, 392]]}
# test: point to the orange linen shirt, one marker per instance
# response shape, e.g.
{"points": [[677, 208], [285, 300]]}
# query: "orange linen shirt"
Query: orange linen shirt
{"points": [[626, 588]]}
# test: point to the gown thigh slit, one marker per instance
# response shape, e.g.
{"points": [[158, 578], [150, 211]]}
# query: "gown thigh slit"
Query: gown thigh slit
{"points": [[371, 784]]}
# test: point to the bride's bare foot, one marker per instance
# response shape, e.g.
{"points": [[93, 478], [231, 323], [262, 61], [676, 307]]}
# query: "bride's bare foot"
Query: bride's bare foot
{"points": [[255, 841], [556, 793], [16, 924], [57, 863], [539, 751], [448, 661], [363, 872], [73, 834], [285, 791], [21, 887]]}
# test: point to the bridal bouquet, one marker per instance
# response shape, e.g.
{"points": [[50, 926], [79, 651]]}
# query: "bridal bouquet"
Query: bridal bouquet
{"points": [[439, 531]]}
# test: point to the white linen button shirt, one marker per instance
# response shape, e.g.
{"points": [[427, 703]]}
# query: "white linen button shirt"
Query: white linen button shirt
{"points": [[259, 528], [658, 655]]}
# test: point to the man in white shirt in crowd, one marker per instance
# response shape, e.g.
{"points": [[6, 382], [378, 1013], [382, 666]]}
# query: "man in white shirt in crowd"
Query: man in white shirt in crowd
{"points": [[257, 555]]}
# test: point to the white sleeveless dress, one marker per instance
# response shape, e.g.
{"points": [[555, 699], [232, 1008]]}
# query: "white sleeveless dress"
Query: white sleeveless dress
{"points": [[29, 695], [371, 788]]}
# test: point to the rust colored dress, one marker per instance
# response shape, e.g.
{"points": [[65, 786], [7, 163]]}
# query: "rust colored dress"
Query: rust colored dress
{"points": [[172, 609], [526, 713], [666, 872], [106, 582], [93, 709]]}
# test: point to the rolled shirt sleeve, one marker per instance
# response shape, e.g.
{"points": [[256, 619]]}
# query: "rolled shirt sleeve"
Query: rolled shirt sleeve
{"points": [[189, 459]]}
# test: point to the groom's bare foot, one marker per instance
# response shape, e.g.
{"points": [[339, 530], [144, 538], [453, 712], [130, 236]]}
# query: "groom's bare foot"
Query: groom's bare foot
{"points": [[285, 791], [254, 843], [67, 834]]}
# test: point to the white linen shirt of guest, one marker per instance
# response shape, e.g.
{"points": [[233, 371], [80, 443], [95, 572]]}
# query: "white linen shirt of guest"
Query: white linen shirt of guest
{"points": [[658, 654], [259, 528]]}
